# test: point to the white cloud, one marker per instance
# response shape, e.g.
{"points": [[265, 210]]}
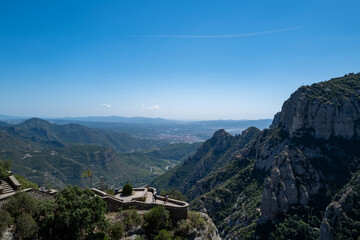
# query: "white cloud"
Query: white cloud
{"points": [[106, 105], [222, 36], [153, 107]]}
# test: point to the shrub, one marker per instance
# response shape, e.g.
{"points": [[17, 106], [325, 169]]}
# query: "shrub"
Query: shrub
{"points": [[20, 203], [74, 214], [175, 194], [293, 229], [195, 220], [131, 219], [45, 218], [98, 236], [163, 235], [139, 238], [157, 218], [5, 220], [4, 169], [26, 183], [182, 228], [25, 226], [110, 192], [127, 189], [116, 231]]}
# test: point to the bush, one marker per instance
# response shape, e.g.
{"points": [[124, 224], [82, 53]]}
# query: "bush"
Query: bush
{"points": [[98, 236], [175, 194], [293, 229], [5, 220], [25, 226], [127, 189], [116, 231], [139, 238], [110, 192], [183, 229], [163, 235], [25, 183], [4, 169], [20, 203], [157, 218], [131, 219], [74, 214], [196, 221], [45, 218]]}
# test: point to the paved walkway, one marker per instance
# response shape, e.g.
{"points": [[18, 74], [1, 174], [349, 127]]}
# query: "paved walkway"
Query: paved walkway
{"points": [[149, 199]]}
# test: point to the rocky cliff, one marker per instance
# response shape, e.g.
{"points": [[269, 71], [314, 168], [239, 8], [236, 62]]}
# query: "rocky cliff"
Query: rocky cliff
{"points": [[324, 109], [287, 176]]}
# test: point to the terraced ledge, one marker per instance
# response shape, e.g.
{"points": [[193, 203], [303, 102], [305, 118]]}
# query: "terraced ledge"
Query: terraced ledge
{"points": [[142, 199]]}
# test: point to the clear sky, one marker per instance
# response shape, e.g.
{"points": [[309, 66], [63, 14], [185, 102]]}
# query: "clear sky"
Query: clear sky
{"points": [[176, 59]]}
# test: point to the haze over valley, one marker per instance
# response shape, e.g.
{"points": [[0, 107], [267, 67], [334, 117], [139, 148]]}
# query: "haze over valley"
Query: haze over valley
{"points": [[180, 120]]}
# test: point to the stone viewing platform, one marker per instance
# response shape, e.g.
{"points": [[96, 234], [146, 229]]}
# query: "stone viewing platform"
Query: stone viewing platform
{"points": [[142, 199], [10, 186]]}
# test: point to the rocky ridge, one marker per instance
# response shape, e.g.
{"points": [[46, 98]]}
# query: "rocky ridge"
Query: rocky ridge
{"points": [[301, 161]]}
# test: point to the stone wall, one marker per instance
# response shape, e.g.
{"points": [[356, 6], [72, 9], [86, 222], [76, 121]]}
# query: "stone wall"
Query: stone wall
{"points": [[36, 194], [177, 213]]}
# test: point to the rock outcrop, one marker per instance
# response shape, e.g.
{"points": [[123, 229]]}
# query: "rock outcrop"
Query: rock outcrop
{"points": [[341, 209], [292, 146], [324, 109]]}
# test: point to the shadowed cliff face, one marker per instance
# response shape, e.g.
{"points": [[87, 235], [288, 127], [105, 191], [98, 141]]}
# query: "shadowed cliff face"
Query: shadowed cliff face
{"points": [[310, 147], [323, 110], [304, 159]]}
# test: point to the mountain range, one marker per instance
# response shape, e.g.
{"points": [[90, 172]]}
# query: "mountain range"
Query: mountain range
{"points": [[56, 155], [171, 131], [299, 179]]}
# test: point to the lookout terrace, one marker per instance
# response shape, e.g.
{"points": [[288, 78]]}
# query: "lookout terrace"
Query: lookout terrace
{"points": [[144, 199], [10, 186]]}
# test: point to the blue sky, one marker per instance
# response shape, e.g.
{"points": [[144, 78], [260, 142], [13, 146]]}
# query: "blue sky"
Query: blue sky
{"points": [[188, 59]]}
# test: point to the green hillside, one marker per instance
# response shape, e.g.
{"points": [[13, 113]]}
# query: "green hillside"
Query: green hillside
{"points": [[56, 155]]}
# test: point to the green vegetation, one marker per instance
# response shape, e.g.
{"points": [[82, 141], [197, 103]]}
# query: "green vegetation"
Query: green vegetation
{"points": [[20, 203], [341, 88], [110, 192], [131, 219], [163, 235], [116, 231], [74, 214], [25, 226], [57, 155], [212, 155], [127, 189], [175, 194], [78, 212], [4, 169], [5, 220], [25, 183], [88, 174], [347, 225], [156, 219]]}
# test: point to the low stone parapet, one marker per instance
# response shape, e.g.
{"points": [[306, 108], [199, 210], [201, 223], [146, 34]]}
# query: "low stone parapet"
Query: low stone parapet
{"points": [[178, 209]]}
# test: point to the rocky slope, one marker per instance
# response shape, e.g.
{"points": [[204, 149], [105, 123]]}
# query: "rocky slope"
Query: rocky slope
{"points": [[287, 176]]}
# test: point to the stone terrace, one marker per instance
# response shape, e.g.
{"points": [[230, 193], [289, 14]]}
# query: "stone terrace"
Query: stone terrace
{"points": [[142, 199]]}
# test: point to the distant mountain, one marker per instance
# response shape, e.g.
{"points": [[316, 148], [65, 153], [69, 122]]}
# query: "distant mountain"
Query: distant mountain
{"points": [[175, 131], [214, 153], [118, 119], [299, 179], [56, 155], [7, 117], [41, 131]]}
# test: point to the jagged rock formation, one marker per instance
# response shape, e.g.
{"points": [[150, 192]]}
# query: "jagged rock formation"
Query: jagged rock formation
{"points": [[304, 158], [311, 127], [325, 109]]}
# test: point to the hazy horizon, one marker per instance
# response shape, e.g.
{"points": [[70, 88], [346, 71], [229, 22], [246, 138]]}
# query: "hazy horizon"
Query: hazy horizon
{"points": [[193, 60], [184, 120]]}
